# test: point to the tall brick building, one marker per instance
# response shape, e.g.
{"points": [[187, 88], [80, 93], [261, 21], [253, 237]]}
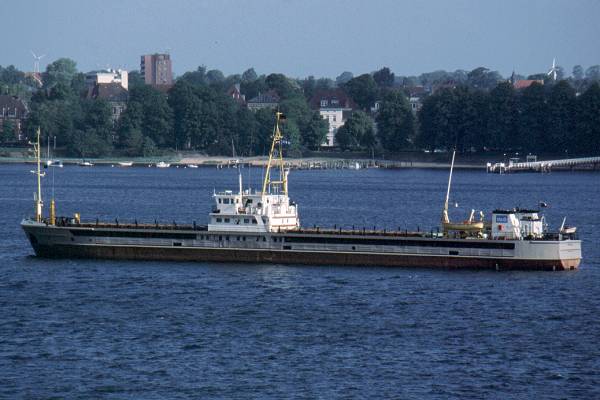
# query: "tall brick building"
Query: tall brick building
{"points": [[156, 69]]}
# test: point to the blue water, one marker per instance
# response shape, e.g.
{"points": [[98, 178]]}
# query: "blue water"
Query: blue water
{"points": [[153, 330]]}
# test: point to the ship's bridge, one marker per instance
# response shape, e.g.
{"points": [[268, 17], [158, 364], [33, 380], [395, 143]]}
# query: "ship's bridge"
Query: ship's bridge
{"points": [[517, 224], [269, 210], [252, 211]]}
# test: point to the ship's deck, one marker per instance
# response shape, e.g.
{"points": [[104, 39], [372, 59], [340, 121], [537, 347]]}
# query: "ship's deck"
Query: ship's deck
{"points": [[325, 231]]}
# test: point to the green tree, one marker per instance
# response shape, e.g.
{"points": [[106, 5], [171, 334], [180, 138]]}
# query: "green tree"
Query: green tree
{"points": [[502, 121], [309, 86], [62, 91], [324, 84], [435, 120], [249, 75], [247, 131], [135, 79], [291, 137], [130, 121], [357, 132], [284, 87], [60, 71], [88, 143], [483, 78], [593, 73], [132, 141], [156, 120], [54, 114], [384, 78], [532, 118], [578, 73], [251, 88], [363, 90], [214, 76], [561, 123], [186, 116], [315, 131], [11, 75], [462, 120], [473, 129], [195, 78], [149, 147], [344, 77], [96, 115], [311, 127], [395, 122], [265, 120], [588, 121]]}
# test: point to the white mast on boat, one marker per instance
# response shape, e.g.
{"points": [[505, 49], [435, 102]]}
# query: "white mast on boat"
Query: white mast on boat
{"points": [[38, 197], [445, 218]]}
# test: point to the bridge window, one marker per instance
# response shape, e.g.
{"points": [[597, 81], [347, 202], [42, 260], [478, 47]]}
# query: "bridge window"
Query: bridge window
{"points": [[219, 200], [219, 220], [225, 201], [246, 220], [227, 220]]}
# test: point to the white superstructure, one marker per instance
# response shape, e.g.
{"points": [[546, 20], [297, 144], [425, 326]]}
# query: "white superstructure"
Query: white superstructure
{"points": [[269, 210], [517, 224], [251, 211]]}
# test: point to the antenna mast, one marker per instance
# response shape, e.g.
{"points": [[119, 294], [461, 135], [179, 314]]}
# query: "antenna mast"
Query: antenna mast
{"points": [[276, 152]]}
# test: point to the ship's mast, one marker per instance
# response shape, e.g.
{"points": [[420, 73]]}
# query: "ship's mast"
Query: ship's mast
{"points": [[445, 218], [39, 174], [276, 155]]}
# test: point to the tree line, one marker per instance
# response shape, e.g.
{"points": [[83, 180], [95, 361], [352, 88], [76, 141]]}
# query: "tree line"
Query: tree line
{"points": [[472, 111], [537, 119]]}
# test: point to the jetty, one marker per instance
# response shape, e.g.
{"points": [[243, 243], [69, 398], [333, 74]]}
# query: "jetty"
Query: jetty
{"points": [[584, 163]]}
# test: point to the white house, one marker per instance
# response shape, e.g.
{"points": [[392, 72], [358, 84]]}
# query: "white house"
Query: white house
{"points": [[335, 107]]}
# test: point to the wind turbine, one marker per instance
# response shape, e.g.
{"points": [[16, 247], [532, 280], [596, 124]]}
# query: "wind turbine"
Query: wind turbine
{"points": [[554, 70], [36, 62]]}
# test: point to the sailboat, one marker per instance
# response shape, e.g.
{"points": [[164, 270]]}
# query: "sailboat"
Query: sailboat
{"points": [[49, 161]]}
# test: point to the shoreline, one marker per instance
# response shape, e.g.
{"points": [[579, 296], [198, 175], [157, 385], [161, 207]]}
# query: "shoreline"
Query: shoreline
{"points": [[227, 162], [305, 163]]}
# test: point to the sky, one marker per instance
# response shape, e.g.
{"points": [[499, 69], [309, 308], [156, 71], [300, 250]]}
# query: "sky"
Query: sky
{"points": [[306, 37]]}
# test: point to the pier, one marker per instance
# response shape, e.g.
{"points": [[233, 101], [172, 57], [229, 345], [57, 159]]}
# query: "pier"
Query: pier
{"points": [[585, 163]]}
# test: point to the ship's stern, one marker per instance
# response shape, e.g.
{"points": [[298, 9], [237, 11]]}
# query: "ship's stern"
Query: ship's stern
{"points": [[570, 253]]}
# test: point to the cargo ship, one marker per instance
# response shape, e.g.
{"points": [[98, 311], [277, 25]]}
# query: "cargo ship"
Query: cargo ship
{"points": [[263, 226]]}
